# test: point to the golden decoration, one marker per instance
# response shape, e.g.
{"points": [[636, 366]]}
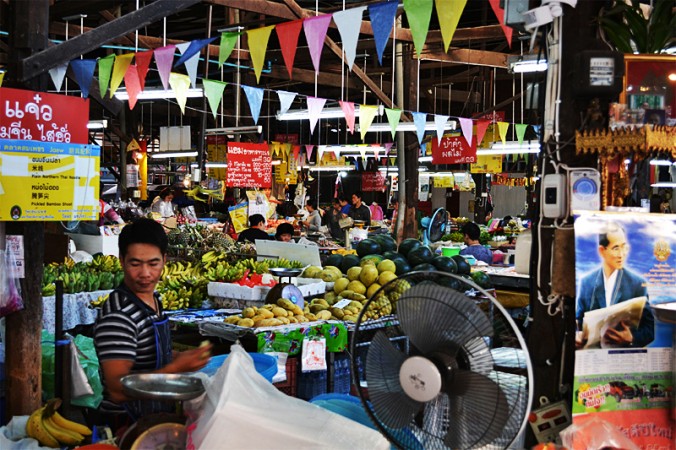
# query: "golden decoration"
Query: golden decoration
{"points": [[661, 250]]}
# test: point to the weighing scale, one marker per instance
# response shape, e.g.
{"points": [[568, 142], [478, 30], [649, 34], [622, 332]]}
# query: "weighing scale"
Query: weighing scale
{"points": [[285, 290]]}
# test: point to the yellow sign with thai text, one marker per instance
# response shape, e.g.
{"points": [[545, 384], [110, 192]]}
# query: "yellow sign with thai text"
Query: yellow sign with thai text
{"points": [[487, 164], [443, 182]]}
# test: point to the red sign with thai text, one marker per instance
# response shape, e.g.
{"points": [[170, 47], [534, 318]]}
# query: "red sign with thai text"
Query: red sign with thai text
{"points": [[293, 138], [39, 116], [373, 181], [249, 165], [495, 116], [453, 150]]}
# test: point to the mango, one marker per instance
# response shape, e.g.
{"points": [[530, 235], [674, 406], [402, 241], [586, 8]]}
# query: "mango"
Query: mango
{"points": [[386, 265], [340, 285], [357, 287], [368, 275], [353, 273], [246, 323]]}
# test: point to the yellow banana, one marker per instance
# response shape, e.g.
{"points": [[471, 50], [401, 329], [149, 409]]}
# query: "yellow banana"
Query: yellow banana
{"points": [[62, 422], [62, 435], [36, 430]]}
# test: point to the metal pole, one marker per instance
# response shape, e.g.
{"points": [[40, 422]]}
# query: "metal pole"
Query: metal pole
{"points": [[401, 145]]}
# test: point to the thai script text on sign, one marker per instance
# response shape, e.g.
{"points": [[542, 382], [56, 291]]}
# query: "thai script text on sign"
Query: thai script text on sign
{"points": [[249, 165], [453, 150]]}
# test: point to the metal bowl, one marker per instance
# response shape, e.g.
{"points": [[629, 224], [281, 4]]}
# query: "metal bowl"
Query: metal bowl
{"points": [[162, 386], [282, 272]]}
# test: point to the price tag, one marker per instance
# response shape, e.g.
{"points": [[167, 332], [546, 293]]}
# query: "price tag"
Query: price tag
{"points": [[342, 304], [314, 354]]}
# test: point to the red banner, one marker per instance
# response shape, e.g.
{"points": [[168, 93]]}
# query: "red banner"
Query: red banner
{"points": [[453, 150], [249, 165], [293, 138], [495, 116], [38, 116], [373, 181]]}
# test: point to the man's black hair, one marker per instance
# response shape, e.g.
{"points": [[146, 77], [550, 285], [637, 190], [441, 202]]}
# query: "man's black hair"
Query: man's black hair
{"points": [[611, 227], [312, 203], [284, 228], [143, 231], [358, 194], [256, 219], [472, 231]]}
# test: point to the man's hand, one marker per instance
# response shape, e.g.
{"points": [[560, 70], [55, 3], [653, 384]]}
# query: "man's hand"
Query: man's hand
{"points": [[580, 340], [190, 360], [619, 335]]}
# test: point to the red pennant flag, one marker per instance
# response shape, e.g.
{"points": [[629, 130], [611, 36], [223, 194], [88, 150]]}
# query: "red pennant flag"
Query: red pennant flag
{"points": [[296, 152], [133, 85], [500, 13], [142, 64], [481, 127], [287, 33]]}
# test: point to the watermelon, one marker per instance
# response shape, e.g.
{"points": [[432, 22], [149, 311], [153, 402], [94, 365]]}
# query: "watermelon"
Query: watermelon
{"points": [[348, 262], [334, 260], [482, 279], [419, 255], [368, 247], [408, 244], [389, 254], [402, 266], [424, 267], [445, 264], [452, 283], [463, 266], [387, 243], [375, 259]]}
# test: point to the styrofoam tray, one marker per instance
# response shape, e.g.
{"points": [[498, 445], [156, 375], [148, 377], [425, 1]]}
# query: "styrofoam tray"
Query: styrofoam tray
{"points": [[307, 286]]}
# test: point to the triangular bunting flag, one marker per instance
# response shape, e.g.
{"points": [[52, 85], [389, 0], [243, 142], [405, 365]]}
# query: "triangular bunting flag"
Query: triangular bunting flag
{"points": [[255, 98], [500, 14], [142, 60], [2, 77], [440, 125], [132, 84], [163, 59], [388, 147], [376, 150], [287, 33], [502, 129], [228, 42], [122, 62], [296, 152], [309, 149], [348, 109], [449, 12], [84, 73], [285, 100], [366, 115], [213, 90], [314, 108], [190, 63], [276, 148], [349, 24], [180, 84], [105, 69], [193, 48], [420, 120], [258, 44], [382, 20], [393, 118], [287, 149], [315, 32], [481, 127], [520, 131], [418, 13], [467, 128], [320, 153], [536, 129], [393, 161], [362, 152], [336, 151], [58, 73]]}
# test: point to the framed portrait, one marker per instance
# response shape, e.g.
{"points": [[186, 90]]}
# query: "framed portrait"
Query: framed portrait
{"points": [[650, 84]]}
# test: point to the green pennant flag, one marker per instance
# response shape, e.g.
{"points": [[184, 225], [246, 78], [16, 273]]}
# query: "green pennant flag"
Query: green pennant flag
{"points": [[520, 131], [105, 69], [214, 93], [393, 117], [228, 42], [418, 13]]}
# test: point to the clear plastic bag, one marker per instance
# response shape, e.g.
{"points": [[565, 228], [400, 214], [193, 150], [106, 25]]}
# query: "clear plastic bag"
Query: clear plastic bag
{"points": [[10, 287]]}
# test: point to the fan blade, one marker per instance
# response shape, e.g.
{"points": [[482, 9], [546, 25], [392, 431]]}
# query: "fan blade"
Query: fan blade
{"points": [[391, 404], [479, 410], [439, 318]]}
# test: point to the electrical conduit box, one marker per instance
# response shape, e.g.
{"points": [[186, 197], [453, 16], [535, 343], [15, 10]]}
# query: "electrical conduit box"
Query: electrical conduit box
{"points": [[554, 196], [585, 190]]}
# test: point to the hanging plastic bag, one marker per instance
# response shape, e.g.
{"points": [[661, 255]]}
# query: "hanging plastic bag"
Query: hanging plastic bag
{"points": [[10, 287]]}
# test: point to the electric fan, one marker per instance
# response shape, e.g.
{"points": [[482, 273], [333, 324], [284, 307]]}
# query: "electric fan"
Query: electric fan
{"points": [[442, 365], [433, 227]]}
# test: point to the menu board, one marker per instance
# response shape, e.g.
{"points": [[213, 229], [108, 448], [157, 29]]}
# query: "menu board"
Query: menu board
{"points": [[373, 181], [249, 165], [453, 150]]}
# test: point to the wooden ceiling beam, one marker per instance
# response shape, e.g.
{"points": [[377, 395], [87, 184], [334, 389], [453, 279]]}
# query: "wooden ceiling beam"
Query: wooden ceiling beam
{"points": [[466, 56]]}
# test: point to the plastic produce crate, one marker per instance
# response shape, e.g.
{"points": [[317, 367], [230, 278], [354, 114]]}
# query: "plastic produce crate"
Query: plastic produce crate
{"points": [[340, 379], [290, 386], [312, 384]]}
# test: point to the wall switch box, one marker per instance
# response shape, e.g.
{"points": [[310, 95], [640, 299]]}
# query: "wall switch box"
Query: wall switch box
{"points": [[554, 196]]}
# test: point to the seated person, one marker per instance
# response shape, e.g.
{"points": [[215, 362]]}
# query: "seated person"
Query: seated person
{"points": [[314, 219], [474, 248], [162, 204], [255, 231], [284, 232]]}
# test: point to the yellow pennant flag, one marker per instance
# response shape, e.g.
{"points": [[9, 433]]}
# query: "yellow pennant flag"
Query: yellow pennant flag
{"points": [[120, 67], [180, 84], [449, 12], [366, 115], [502, 129], [2, 77], [258, 45]]}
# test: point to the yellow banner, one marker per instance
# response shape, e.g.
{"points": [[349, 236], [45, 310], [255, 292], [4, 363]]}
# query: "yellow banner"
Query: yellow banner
{"points": [[48, 181], [487, 164], [443, 182], [239, 217]]}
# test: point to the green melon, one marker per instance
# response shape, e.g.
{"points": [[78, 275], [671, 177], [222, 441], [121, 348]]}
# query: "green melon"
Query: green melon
{"points": [[389, 254], [348, 262], [463, 266], [407, 245], [402, 266], [387, 243], [334, 260], [420, 255], [445, 264], [368, 247], [482, 279], [424, 267]]}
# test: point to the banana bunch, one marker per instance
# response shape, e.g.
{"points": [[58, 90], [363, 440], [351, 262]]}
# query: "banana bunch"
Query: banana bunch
{"points": [[48, 289], [175, 268], [259, 267], [283, 312], [344, 251], [173, 300], [51, 429], [285, 263], [99, 301], [213, 256], [105, 263]]}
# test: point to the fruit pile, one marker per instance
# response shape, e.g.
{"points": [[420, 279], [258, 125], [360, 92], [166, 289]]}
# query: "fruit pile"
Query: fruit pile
{"points": [[51, 429], [283, 312], [102, 273]]}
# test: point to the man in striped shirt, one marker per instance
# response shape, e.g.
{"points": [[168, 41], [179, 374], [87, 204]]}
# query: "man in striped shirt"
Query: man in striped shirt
{"points": [[132, 334]]}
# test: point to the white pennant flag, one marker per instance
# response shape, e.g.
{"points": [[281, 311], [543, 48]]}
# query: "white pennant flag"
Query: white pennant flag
{"points": [[285, 100], [349, 23], [191, 63], [320, 153], [314, 109], [362, 151], [58, 73], [440, 124]]}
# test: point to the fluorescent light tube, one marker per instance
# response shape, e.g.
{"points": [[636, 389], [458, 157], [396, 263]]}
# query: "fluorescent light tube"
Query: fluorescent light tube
{"points": [[406, 126], [526, 64], [661, 162], [330, 168], [97, 124], [188, 154], [215, 165], [327, 113], [664, 184], [235, 130], [509, 148], [158, 94]]}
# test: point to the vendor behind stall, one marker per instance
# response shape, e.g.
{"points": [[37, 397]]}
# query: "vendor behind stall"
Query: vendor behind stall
{"points": [[255, 231], [474, 247], [284, 232], [359, 210], [162, 204], [132, 334], [314, 220]]}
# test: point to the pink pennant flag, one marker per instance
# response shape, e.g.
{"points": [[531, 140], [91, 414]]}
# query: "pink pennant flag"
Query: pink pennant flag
{"points": [[481, 127], [388, 147], [348, 109], [315, 32], [314, 108], [164, 57], [500, 14], [376, 150], [287, 33], [309, 148], [142, 60], [466, 126], [133, 84]]}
